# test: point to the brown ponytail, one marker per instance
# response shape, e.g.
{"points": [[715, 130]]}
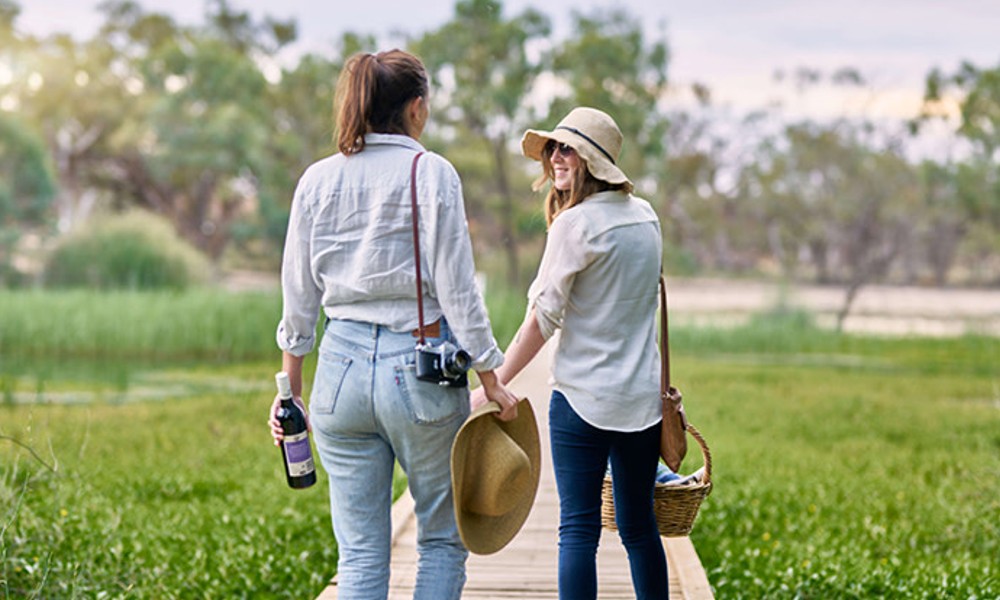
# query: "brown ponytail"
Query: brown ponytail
{"points": [[372, 93]]}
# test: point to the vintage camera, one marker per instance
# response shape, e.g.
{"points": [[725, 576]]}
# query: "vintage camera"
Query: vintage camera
{"points": [[444, 364]]}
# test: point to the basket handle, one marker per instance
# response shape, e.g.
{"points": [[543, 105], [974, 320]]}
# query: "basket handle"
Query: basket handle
{"points": [[705, 453]]}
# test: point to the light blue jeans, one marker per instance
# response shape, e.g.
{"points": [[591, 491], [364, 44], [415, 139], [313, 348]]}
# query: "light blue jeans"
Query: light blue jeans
{"points": [[368, 410]]}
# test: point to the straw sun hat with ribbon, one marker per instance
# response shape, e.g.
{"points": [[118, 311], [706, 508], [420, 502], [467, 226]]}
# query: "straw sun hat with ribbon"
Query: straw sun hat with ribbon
{"points": [[592, 133], [494, 475]]}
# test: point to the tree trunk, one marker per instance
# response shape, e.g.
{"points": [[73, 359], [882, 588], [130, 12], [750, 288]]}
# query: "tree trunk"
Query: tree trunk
{"points": [[508, 214], [946, 238], [850, 295], [818, 250], [197, 214]]}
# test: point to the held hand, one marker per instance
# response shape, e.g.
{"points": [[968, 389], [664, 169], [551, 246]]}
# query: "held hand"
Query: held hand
{"points": [[507, 401], [494, 390], [276, 432], [477, 397]]}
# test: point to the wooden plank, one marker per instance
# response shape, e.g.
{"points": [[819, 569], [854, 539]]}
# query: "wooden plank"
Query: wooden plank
{"points": [[685, 565]]}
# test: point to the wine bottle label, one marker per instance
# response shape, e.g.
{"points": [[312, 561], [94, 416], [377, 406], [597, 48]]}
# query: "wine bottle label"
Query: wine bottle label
{"points": [[298, 454]]}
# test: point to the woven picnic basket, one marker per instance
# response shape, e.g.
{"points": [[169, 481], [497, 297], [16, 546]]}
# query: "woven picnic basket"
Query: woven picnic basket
{"points": [[675, 506]]}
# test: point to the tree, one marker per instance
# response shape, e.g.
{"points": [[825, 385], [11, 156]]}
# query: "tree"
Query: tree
{"points": [[482, 68], [68, 94], [882, 192], [839, 198], [609, 65], [977, 178], [9, 11], [199, 147], [943, 224], [707, 204], [302, 130], [27, 186], [978, 92]]}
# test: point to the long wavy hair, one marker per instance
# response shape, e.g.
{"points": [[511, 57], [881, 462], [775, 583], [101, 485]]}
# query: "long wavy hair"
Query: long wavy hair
{"points": [[582, 186]]}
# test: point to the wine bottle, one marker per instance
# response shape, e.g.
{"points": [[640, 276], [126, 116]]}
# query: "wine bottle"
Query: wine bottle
{"points": [[300, 471]]}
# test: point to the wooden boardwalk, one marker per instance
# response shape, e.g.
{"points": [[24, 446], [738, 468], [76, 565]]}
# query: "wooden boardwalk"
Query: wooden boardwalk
{"points": [[526, 568]]}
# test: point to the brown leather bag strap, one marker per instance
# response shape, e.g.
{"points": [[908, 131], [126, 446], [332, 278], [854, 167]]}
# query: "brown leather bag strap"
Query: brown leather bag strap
{"points": [[664, 341], [670, 395], [416, 245]]}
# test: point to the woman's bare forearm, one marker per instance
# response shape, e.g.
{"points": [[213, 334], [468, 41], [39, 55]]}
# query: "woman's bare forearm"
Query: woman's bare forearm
{"points": [[525, 346], [292, 365]]}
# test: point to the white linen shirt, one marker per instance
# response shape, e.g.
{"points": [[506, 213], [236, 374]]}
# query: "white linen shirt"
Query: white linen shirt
{"points": [[349, 249], [597, 281]]}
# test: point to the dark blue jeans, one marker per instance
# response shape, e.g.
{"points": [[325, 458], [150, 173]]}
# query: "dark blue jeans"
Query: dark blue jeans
{"points": [[580, 455]]}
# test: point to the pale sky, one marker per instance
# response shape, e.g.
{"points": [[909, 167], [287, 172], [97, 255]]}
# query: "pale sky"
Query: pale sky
{"points": [[733, 46]]}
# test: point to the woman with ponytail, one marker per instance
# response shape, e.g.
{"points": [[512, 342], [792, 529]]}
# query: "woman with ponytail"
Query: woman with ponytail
{"points": [[349, 252]]}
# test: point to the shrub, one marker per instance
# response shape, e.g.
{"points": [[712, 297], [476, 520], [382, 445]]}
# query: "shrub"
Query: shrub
{"points": [[135, 250]]}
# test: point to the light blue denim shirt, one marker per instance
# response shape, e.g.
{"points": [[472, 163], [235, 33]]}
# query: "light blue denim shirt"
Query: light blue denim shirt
{"points": [[597, 282], [349, 249]]}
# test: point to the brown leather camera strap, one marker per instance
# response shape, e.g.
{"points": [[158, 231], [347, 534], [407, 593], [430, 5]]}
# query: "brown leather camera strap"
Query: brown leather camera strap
{"points": [[416, 246]]}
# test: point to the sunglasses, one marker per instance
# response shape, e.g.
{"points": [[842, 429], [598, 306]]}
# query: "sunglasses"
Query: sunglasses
{"points": [[553, 147]]}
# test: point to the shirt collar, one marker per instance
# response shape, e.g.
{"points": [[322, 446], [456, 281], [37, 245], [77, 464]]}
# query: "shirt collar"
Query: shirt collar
{"points": [[393, 139], [608, 196]]}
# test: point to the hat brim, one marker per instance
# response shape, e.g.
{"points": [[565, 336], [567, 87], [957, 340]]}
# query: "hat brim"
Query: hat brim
{"points": [[484, 534], [534, 140]]}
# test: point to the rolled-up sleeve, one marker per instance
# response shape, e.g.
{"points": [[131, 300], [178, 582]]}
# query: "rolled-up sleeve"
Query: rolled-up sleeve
{"points": [[451, 263], [301, 295], [566, 254]]}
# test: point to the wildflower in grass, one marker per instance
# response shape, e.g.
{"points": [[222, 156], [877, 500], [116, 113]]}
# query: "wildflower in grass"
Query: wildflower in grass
{"points": [[63, 512]]}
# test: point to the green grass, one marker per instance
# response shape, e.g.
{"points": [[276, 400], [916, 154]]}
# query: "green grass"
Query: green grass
{"points": [[136, 325], [845, 467], [150, 326], [179, 499], [875, 474]]}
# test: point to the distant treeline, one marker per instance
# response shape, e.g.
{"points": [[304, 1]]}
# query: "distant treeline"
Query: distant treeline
{"points": [[205, 126]]}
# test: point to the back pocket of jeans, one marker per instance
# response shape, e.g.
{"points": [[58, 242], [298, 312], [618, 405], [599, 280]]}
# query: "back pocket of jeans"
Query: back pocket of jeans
{"points": [[331, 370], [429, 403]]}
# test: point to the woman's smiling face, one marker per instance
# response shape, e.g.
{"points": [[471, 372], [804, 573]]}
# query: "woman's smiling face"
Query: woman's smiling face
{"points": [[565, 162]]}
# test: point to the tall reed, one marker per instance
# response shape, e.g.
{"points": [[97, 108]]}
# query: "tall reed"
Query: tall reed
{"points": [[194, 324]]}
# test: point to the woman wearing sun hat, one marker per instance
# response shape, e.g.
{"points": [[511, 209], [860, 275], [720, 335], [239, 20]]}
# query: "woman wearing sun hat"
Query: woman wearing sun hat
{"points": [[597, 283]]}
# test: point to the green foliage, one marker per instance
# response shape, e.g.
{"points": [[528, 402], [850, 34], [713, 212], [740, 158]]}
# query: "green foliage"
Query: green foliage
{"points": [[845, 467], [27, 188], [609, 64], [138, 325], [487, 57], [27, 183], [843, 475], [136, 251], [199, 122], [831, 193], [506, 307], [181, 499], [979, 89], [194, 324]]}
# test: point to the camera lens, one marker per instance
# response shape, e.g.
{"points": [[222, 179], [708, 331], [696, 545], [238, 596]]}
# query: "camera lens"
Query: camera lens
{"points": [[456, 363]]}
